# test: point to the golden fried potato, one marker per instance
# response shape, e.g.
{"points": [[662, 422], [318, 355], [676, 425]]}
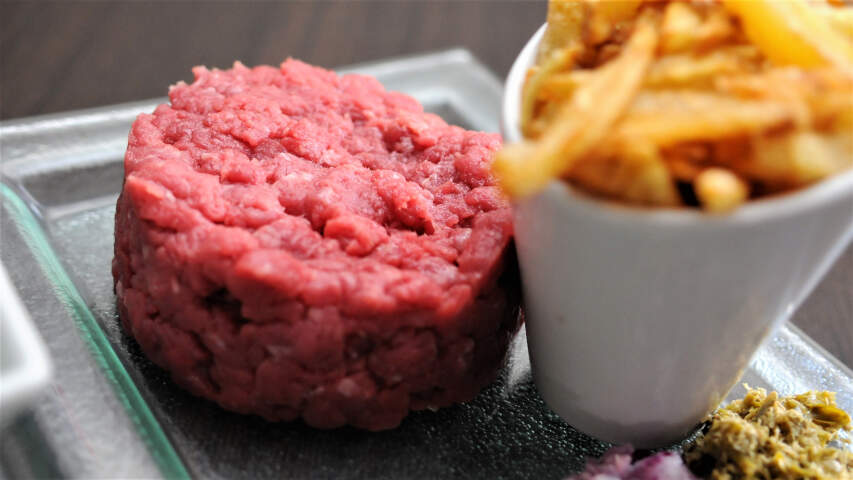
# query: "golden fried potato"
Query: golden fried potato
{"points": [[565, 27], [668, 118], [605, 16], [719, 190], [678, 31], [841, 19], [527, 166], [538, 75], [791, 32], [728, 99], [796, 160], [687, 70], [637, 175]]}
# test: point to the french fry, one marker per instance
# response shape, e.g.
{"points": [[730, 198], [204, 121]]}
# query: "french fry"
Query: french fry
{"points": [[652, 184], [686, 161], [841, 144], [526, 167], [561, 86], [566, 20], [841, 19], [719, 190], [790, 32], [679, 26], [683, 170], [813, 95], [733, 97], [606, 15], [638, 175], [544, 117], [689, 70], [558, 60], [794, 160], [668, 118]]}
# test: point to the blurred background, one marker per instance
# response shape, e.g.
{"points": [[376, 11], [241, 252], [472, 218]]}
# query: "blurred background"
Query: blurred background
{"points": [[57, 56], [66, 55]]}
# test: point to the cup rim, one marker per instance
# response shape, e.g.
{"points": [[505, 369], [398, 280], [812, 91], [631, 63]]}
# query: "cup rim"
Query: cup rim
{"points": [[813, 197]]}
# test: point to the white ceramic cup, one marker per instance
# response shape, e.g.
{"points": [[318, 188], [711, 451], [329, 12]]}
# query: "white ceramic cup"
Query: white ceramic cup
{"points": [[639, 321]]}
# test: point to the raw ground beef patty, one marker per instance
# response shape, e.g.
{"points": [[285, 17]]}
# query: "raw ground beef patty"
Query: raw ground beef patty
{"points": [[294, 244]]}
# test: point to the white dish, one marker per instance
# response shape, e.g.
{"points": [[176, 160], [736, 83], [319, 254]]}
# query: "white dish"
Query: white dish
{"points": [[639, 321], [25, 367]]}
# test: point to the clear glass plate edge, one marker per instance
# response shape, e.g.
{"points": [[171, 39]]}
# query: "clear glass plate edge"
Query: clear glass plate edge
{"points": [[147, 425]]}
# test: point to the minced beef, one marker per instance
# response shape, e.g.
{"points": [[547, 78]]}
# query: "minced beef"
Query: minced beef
{"points": [[292, 243]]}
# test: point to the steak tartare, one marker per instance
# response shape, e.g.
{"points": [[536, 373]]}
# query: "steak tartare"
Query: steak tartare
{"points": [[293, 243]]}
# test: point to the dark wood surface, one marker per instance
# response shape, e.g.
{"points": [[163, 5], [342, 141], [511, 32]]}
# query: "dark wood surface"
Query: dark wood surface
{"points": [[65, 55]]}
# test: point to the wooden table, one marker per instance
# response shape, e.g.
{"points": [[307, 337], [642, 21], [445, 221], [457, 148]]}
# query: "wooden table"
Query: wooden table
{"points": [[62, 56]]}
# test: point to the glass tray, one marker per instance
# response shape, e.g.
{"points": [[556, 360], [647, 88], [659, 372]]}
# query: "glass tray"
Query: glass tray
{"points": [[111, 413]]}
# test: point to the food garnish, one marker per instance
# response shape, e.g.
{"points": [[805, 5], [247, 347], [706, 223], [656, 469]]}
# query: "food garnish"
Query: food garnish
{"points": [[768, 436], [617, 464], [761, 436]]}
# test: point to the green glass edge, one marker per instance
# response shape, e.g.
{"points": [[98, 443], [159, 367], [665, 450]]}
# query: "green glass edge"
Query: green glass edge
{"points": [[147, 426]]}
